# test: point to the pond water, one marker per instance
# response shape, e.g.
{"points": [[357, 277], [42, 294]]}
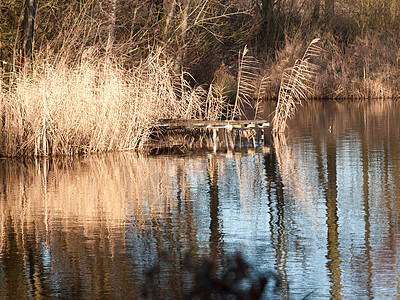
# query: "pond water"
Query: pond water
{"points": [[321, 207]]}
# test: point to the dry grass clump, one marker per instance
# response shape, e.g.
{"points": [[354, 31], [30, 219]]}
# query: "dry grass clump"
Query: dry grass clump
{"points": [[366, 69], [95, 105], [284, 58], [221, 90]]}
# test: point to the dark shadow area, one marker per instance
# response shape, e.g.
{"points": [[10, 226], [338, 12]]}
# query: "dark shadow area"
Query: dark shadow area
{"points": [[205, 280]]}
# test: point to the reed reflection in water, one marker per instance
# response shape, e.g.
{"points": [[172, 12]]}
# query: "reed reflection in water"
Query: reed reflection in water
{"points": [[322, 208]]}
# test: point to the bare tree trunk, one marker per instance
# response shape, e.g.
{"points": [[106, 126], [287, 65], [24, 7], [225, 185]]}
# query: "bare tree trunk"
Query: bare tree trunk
{"points": [[329, 11], [111, 36], [316, 10], [267, 7], [168, 20], [183, 35], [30, 8]]}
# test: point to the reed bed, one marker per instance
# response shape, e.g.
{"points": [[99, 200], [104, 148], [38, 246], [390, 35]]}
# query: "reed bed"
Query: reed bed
{"points": [[95, 105], [367, 68]]}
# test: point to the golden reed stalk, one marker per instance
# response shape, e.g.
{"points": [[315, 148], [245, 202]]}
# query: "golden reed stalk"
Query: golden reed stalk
{"points": [[93, 106]]}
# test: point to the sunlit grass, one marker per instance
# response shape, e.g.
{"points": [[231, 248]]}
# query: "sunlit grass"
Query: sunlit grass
{"points": [[95, 105], [367, 68]]}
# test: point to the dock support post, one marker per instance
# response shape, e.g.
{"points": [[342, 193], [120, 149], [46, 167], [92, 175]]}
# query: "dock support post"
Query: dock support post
{"points": [[263, 136], [215, 139]]}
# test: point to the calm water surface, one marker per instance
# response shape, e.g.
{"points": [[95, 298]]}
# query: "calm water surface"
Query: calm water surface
{"points": [[321, 207]]}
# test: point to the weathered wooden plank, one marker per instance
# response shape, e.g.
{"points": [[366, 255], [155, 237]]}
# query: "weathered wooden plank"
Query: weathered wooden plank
{"points": [[219, 134], [228, 124]]}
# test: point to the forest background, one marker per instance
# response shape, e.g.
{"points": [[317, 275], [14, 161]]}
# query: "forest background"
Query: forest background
{"points": [[89, 76]]}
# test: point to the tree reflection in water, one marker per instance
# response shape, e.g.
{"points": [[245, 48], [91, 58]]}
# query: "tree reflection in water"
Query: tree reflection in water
{"points": [[322, 208]]}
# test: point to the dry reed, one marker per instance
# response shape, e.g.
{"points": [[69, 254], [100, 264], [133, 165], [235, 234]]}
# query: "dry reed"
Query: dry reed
{"points": [[296, 85], [246, 82], [95, 105], [367, 68]]}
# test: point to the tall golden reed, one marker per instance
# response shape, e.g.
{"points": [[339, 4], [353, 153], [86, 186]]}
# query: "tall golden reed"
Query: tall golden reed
{"points": [[95, 105], [297, 84]]}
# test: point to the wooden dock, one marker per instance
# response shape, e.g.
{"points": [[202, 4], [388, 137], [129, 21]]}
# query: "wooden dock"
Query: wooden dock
{"points": [[220, 134], [226, 124]]}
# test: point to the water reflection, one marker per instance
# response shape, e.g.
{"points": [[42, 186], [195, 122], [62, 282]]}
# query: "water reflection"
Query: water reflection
{"points": [[351, 145], [322, 208]]}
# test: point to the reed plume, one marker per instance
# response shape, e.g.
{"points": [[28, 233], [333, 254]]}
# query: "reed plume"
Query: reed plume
{"points": [[297, 84], [248, 76]]}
